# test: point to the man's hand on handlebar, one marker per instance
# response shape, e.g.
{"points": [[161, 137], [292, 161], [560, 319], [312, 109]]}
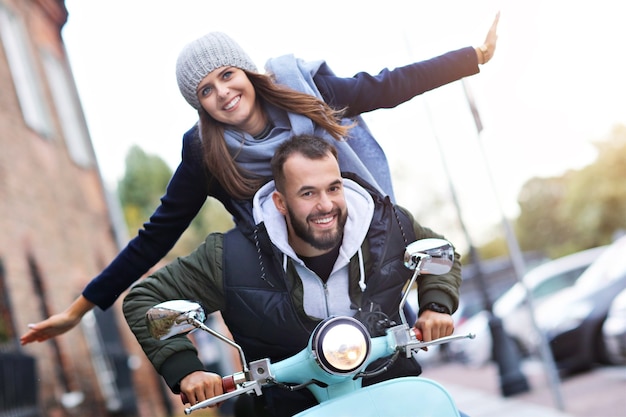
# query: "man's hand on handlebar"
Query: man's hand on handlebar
{"points": [[433, 325], [199, 386]]}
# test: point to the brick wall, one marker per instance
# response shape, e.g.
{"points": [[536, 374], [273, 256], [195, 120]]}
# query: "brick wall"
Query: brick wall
{"points": [[55, 230]]}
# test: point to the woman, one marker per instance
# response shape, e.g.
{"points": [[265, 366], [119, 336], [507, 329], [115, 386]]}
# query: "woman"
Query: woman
{"points": [[243, 116]]}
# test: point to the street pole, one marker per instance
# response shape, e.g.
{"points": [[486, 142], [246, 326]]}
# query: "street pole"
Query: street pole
{"points": [[512, 380], [518, 265]]}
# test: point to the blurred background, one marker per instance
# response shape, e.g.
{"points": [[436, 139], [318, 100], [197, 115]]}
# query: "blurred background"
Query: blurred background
{"points": [[91, 125]]}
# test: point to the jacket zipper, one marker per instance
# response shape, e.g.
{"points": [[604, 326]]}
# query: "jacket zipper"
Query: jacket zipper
{"points": [[326, 298]]}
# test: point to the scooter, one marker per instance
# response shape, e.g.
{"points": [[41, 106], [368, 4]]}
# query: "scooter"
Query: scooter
{"points": [[332, 365]]}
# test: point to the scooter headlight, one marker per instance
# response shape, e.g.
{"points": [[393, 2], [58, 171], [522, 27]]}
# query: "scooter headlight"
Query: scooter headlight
{"points": [[341, 345]]}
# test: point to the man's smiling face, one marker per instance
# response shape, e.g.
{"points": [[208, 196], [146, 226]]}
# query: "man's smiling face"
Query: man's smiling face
{"points": [[313, 204]]}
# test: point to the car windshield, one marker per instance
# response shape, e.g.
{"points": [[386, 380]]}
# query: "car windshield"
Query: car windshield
{"points": [[610, 266]]}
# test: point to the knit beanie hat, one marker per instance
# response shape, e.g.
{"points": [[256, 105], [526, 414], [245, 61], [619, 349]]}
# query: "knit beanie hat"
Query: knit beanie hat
{"points": [[200, 57]]}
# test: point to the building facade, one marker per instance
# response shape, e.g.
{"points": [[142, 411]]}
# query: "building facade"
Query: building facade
{"points": [[57, 232]]}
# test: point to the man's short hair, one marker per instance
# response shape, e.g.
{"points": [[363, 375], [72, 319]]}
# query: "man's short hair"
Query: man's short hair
{"points": [[310, 146]]}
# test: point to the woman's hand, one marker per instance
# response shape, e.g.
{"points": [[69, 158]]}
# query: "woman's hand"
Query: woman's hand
{"points": [[59, 323], [488, 48]]}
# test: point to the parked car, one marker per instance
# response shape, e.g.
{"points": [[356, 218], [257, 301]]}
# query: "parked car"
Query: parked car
{"points": [[572, 319], [512, 307], [614, 330]]}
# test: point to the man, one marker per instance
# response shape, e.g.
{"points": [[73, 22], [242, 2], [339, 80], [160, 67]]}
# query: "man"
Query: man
{"points": [[321, 245]]}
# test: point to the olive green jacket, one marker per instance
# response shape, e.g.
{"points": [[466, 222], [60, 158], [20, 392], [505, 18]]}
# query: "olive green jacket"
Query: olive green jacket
{"points": [[198, 277]]}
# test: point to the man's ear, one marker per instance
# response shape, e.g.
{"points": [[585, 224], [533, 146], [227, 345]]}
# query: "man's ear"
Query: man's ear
{"points": [[279, 202]]}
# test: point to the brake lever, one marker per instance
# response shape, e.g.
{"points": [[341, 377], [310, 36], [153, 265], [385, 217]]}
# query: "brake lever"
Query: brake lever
{"points": [[245, 388], [418, 344]]}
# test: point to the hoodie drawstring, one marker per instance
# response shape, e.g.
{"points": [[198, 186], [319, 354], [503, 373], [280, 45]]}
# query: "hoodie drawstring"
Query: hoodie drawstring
{"points": [[361, 271]]}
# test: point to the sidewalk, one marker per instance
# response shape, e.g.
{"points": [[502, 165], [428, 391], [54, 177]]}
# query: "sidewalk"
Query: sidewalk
{"points": [[601, 392], [477, 392], [477, 403]]}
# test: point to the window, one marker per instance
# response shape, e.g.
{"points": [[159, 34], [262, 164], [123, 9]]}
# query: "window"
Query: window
{"points": [[69, 111], [7, 332], [558, 282], [22, 65]]}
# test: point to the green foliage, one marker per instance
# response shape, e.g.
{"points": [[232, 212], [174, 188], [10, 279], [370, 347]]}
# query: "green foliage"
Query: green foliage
{"points": [[580, 209], [213, 217], [4, 330], [541, 223], [144, 183], [495, 248]]}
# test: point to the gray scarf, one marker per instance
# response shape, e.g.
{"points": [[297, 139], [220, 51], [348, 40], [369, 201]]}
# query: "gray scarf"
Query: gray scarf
{"points": [[355, 155]]}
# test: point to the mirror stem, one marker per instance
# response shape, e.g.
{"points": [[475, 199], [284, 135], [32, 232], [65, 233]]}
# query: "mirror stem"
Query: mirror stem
{"points": [[197, 323], [406, 293]]}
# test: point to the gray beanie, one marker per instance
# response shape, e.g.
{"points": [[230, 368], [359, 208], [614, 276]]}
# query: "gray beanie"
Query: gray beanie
{"points": [[202, 56]]}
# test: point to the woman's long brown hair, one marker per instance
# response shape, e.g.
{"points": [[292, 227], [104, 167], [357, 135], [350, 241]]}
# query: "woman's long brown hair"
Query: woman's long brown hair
{"points": [[238, 182]]}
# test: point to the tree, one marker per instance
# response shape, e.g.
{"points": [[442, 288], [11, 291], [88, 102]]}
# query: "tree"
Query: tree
{"points": [[144, 183], [541, 223], [597, 198], [213, 217], [580, 209]]}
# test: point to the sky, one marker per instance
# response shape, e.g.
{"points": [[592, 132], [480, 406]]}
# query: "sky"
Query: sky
{"points": [[555, 85]]}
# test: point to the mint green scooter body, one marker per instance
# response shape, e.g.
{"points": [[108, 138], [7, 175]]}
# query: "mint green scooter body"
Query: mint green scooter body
{"points": [[400, 397], [344, 395]]}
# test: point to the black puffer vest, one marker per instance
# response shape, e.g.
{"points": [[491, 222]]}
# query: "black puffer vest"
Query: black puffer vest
{"points": [[259, 310]]}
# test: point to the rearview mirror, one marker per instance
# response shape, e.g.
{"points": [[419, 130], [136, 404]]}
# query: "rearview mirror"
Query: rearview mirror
{"points": [[426, 256], [429, 256], [174, 317]]}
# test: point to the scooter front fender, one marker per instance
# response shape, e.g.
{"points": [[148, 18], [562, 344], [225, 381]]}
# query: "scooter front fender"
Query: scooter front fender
{"points": [[400, 397]]}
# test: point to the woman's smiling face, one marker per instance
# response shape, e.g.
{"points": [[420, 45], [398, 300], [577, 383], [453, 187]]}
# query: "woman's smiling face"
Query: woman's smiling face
{"points": [[229, 97]]}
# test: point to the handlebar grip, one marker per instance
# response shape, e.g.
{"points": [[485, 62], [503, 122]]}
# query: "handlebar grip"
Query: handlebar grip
{"points": [[228, 383], [418, 333]]}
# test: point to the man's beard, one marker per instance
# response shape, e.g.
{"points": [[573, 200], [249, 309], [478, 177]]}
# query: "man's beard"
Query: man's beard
{"points": [[326, 240]]}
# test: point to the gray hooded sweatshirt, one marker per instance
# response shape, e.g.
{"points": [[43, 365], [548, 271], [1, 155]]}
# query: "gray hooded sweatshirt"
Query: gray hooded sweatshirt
{"points": [[335, 291]]}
